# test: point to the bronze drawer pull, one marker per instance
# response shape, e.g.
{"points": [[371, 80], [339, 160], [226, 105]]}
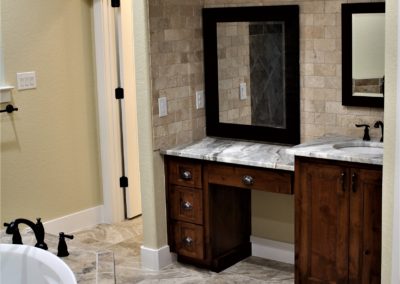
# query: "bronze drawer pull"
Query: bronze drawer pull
{"points": [[186, 175], [248, 180], [187, 241], [186, 205]]}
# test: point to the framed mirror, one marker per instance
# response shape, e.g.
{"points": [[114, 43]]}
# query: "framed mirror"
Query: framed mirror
{"points": [[251, 70], [363, 54]]}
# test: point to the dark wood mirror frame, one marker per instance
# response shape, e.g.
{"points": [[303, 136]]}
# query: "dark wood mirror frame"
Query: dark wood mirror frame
{"points": [[347, 67], [290, 16]]}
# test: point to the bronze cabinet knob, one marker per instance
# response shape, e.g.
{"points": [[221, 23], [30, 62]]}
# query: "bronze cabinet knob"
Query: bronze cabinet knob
{"points": [[186, 205], [248, 180], [186, 175], [187, 241]]}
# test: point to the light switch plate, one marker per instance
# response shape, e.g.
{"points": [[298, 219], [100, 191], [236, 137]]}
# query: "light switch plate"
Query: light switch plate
{"points": [[26, 80], [199, 99], [162, 107]]}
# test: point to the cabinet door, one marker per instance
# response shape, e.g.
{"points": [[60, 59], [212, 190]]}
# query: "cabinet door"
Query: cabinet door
{"points": [[365, 226], [322, 214]]}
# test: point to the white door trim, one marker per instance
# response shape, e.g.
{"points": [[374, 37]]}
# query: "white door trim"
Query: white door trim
{"points": [[107, 111]]}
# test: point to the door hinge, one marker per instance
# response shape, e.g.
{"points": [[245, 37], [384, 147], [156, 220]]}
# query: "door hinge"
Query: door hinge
{"points": [[123, 181], [119, 93], [115, 3]]}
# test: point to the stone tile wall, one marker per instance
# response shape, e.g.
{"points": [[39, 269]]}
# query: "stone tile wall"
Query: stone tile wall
{"points": [[176, 49], [177, 72]]}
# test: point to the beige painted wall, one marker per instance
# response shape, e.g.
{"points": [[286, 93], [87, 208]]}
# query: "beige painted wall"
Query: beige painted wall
{"points": [[49, 148]]}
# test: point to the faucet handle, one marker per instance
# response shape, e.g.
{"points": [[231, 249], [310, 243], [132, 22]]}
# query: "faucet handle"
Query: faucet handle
{"points": [[69, 236], [40, 234], [11, 227], [377, 125], [62, 245]]}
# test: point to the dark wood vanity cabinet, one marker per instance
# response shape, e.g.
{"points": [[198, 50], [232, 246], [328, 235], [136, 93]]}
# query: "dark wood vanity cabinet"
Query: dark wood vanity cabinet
{"points": [[338, 222], [209, 208]]}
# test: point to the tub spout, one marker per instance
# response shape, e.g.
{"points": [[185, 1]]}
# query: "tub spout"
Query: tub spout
{"points": [[37, 229]]}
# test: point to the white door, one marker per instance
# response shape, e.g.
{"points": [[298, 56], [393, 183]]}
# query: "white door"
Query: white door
{"points": [[117, 69]]}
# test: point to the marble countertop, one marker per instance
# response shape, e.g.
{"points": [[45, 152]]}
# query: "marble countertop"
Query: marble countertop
{"points": [[246, 153], [330, 147], [276, 156]]}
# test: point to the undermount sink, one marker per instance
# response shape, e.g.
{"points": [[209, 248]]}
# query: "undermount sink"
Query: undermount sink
{"points": [[361, 148]]}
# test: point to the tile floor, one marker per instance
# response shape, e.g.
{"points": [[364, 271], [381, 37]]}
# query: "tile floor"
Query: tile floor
{"points": [[124, 240]]}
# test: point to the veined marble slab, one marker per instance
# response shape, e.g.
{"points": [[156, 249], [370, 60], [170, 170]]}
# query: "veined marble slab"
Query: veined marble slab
{"points": [[246, 153], [275, 156], [342, 149]]}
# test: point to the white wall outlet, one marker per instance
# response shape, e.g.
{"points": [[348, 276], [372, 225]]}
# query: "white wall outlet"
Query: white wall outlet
{"points": [[199, 99], [243, 91], [162, 107], [26, 80]]}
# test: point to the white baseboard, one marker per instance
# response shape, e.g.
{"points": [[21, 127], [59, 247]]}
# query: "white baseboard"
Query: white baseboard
{"points": [[156, 259], [273, 250], [76, 221]]}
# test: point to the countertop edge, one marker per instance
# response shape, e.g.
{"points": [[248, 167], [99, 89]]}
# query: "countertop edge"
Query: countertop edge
{"points": [[269, 156]]}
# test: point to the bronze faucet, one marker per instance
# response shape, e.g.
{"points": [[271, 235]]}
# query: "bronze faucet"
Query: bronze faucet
{"points": [[38, 230]]}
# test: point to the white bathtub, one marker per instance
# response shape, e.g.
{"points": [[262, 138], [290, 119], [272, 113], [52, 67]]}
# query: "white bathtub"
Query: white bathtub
{"points": [[21, 264]]}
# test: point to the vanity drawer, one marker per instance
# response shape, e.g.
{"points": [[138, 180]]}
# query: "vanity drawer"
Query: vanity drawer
{"points": [[186, 204], [185, 173], [251, 178], [189, 240]]}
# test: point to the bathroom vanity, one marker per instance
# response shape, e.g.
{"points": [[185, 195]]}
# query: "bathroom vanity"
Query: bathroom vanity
{"points": [[338, 205], [338, 196], [209, 197]]}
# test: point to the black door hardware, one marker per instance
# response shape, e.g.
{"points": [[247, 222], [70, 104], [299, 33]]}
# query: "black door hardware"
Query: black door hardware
{"points": [[9, 109]]}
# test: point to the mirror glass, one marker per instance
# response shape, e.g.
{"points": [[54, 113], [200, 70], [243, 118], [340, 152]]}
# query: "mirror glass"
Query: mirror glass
{"points": [[368, 53], [251, 66], [363, 54], [251, 72]]}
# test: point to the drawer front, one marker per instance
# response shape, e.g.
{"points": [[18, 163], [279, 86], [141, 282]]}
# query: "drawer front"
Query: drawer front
{"points": [[186, 204], [189, 240], [251, 178], [185, 173]]}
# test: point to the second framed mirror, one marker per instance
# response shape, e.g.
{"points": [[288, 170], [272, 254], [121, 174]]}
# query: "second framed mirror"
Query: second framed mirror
{"points": [[363, 54]]}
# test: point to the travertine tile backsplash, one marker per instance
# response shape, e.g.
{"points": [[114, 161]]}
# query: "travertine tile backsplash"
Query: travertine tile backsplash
{"points": [[177, 69]]}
